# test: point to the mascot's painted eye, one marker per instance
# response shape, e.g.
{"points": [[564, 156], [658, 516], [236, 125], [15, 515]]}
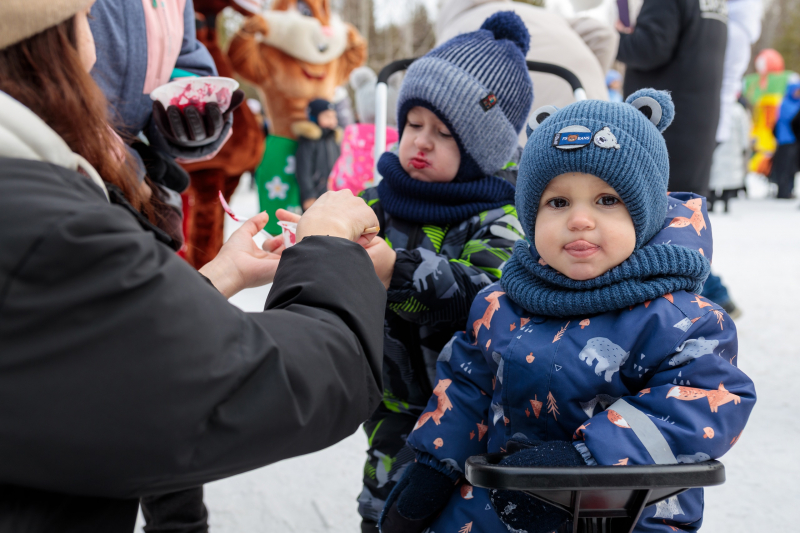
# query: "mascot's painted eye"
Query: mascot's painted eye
{"points": [[649, 107], [304, 9], [539, 116]]}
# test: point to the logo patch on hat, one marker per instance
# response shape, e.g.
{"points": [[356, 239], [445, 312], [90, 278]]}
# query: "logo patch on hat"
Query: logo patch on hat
{"points": [[605, 139], [488, 102], [572, 138]]}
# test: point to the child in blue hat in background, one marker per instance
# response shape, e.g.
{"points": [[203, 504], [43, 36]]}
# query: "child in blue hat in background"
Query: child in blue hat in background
{"points": [[448, 222], [594, 348]]}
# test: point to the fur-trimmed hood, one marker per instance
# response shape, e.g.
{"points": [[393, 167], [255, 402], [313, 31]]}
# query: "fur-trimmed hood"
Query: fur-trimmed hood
{"points": [[312, 131]]}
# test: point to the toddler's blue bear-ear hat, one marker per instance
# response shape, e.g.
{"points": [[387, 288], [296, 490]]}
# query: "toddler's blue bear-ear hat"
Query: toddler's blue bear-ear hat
{"points": [[478, 84], [621, 143]]}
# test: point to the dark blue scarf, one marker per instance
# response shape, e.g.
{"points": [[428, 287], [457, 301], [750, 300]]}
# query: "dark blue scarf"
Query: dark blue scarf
{"points": [[437, 203], [650, 272]]}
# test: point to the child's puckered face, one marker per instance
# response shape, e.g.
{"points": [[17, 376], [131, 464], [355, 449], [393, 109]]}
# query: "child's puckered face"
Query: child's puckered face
{"points": [[582, 227], [428, 152]]}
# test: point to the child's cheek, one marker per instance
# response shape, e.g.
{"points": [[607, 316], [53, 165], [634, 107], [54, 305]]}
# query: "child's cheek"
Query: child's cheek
{"points": [[545, 237], [406, 149]]}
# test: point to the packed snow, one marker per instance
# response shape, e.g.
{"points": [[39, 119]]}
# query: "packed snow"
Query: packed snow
{"points": [[757, 253]]}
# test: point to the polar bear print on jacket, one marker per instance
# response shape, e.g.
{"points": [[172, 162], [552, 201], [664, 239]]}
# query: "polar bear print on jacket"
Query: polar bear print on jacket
{"points": [[609, 356], [692, 349]]}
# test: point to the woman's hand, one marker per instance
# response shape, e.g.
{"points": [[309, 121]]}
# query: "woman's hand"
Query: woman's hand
{"points": [[383, 257], [241, 264], [339, 214]]}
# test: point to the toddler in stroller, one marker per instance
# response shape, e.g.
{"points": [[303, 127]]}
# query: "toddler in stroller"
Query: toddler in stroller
{"points": [[594, 348]]}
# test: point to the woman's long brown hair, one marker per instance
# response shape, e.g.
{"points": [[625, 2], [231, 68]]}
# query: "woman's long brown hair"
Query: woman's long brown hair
{"points": [[45, 74]]}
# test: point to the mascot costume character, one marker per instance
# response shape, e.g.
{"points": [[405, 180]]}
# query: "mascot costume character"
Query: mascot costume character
{"points": [[204, 217], [296, 52], [764, 91]]}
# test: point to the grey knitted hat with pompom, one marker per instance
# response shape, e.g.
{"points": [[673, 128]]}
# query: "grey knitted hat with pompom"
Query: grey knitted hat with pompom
{"points": [[478, 84]]}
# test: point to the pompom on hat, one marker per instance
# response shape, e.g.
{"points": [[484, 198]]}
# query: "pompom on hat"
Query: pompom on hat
{"points": [[478, 85], [620, 143], [20, 19]]}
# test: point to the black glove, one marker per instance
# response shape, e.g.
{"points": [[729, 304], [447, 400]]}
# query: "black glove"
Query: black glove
{"points": [[190, 128], [161, 168], [516, 509], [416, 500]]}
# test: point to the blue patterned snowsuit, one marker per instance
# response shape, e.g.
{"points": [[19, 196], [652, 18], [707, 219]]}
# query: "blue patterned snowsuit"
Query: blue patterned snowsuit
{"points": [[670, 362]]}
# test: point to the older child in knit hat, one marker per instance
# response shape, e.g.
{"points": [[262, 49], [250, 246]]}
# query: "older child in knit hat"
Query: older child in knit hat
{"points": [[449, 224], [594, 348]]}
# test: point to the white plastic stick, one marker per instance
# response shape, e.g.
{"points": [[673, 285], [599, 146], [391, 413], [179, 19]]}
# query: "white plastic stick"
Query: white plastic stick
{"points": [[381, 102], [580, 94]]}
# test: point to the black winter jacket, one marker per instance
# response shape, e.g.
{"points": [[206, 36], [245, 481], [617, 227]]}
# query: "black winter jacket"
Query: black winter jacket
{"points": [[123, 372], [679, 46]]}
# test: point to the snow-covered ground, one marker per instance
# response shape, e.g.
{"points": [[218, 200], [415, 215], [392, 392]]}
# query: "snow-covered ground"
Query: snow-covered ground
{"points": [[757, 253]]}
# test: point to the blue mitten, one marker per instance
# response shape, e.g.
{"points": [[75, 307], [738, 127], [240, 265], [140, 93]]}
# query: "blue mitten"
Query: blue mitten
{"points": [[517, 510], [416, 500]]}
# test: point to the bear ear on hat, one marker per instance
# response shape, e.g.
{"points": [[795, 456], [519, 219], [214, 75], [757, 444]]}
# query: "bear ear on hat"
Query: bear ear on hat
{"points": [[508, 25], [656, 105], [538, 117]]}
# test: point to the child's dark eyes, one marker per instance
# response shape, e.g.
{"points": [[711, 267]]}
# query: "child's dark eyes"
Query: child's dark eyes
{"points": [[609, 201], [415, 126], [558, 203], [446, 135]]}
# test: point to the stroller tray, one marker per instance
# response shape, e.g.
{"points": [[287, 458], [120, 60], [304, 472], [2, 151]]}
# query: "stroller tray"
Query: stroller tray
{"points": [[599, 498]]}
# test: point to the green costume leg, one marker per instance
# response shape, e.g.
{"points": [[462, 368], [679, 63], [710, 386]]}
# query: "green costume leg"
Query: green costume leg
{"points": [[275, 179]]}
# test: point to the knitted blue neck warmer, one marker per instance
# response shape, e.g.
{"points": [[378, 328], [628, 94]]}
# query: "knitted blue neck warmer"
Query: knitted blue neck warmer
{"points": [[437, 203], [650, 272]]}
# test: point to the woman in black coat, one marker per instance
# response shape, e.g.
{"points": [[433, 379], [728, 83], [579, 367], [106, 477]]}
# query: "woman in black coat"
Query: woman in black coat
{"points": [[124, 372]]}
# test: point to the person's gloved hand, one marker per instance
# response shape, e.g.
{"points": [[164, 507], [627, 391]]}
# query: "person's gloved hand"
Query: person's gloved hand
{"points": [[517, 510], [189, 128], [416, 500], [161, 168]]}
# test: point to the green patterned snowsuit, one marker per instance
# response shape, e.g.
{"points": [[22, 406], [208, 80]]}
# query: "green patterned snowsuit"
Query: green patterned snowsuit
{"points": [[438, 272]]}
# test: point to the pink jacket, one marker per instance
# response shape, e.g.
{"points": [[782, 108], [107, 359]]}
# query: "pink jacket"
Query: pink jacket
{"points": [[354, 168]]}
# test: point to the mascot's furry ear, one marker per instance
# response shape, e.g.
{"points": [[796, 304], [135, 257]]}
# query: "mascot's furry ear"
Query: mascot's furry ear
{"points": [[362, 77], [363, 80], [656, 105], [539, 116]]}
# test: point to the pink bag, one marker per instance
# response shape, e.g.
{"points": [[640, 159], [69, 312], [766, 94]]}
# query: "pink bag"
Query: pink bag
{"points": [[354, 168]]}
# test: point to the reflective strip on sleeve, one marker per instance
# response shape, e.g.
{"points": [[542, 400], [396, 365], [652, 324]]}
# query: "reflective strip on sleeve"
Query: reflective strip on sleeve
{"points": [[644, 428]]}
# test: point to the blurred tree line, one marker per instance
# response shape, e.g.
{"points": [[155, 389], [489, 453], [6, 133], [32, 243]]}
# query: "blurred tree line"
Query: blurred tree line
{"points": [[781, 31], [411, 36]]}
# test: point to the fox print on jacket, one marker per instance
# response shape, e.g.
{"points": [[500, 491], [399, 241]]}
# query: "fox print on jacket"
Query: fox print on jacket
{"points": [[669, 363]]}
